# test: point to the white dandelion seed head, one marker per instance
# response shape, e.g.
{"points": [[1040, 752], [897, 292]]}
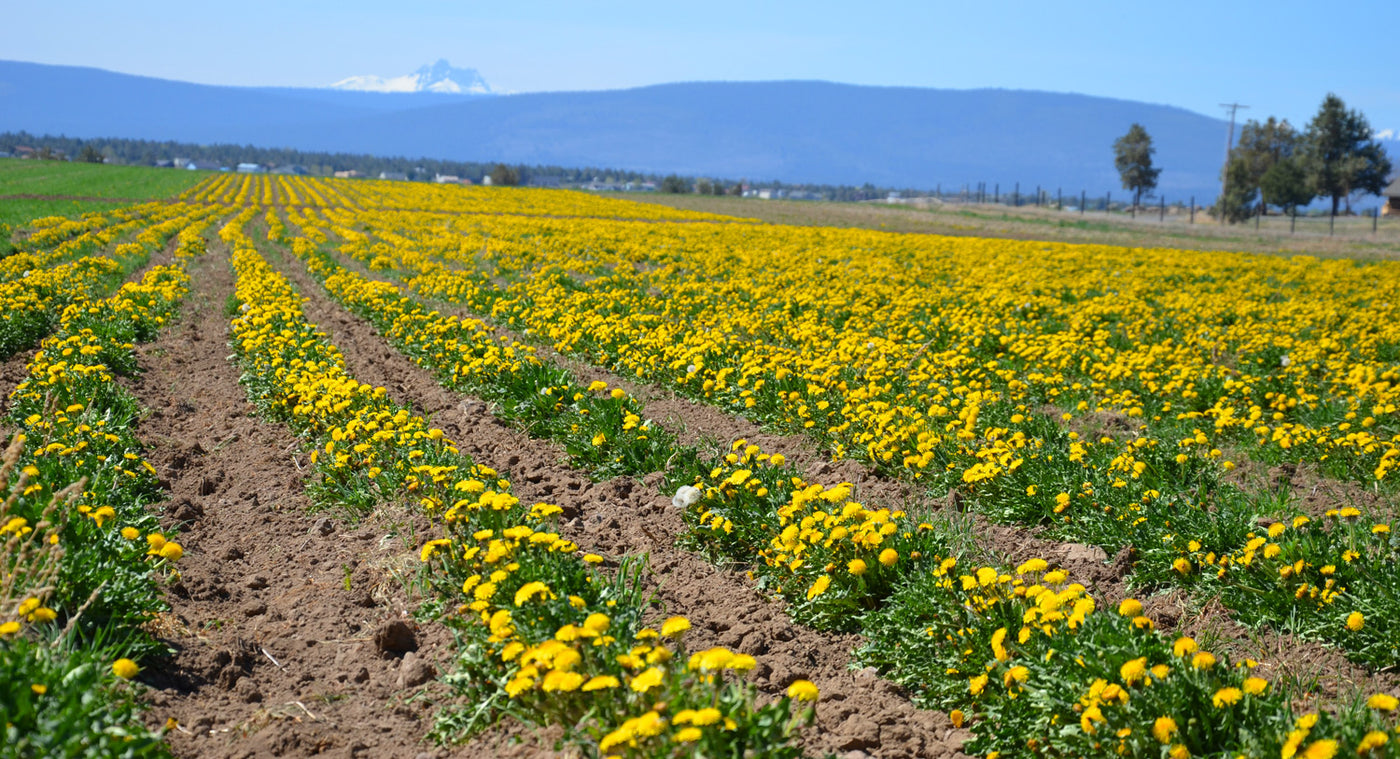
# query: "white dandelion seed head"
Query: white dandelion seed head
{"points": [[685, 496]]}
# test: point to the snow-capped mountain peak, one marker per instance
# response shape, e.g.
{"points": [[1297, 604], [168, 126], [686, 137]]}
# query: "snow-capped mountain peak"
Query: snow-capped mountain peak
{"points": [[438, 77]]}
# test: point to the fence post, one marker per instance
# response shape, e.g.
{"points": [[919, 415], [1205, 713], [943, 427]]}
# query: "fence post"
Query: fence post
{"points": [[1016, 198], [1083, 201], [1292, 220], [996, 192], [1059, 200], [1107, 200], [1162, 216], [1258, 214], [1331, 223], [1037, 196], [1375, 220], [1193, 209]]}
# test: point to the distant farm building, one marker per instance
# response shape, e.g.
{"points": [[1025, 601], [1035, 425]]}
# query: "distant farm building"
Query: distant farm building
{"points": [[249, 168], [397, 176], [348, 174], [1392, 199]]}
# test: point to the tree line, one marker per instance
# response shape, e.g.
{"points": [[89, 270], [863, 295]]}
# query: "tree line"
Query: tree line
{"points": [[1276, 165], [152, 153]]}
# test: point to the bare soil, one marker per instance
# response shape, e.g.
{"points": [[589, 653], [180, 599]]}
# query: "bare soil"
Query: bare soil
{"points": [[274, 612], [858, 713]]}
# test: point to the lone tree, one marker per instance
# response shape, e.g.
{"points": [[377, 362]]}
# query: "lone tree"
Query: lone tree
{"points": [[674, 185], [504, 176], [1339, 155], [1132, 156]]}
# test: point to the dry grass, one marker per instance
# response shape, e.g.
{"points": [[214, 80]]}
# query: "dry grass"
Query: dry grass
{"points": [[1352, 239]]}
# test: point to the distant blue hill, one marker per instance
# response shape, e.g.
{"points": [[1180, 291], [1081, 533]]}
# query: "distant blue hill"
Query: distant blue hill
{"points": [[790, 131]]}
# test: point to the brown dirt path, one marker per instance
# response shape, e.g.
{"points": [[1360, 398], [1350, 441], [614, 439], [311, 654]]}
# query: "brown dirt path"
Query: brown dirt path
{"points": [[273, 617], [858, 713]]}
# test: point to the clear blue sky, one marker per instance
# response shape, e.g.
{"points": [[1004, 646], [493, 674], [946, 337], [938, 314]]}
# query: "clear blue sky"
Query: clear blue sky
{"points": [[1279, 57]]}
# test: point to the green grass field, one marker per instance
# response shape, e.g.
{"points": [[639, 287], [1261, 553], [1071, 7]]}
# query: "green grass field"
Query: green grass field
{"points": [[93, 180], [71, 189], [18, 212]]}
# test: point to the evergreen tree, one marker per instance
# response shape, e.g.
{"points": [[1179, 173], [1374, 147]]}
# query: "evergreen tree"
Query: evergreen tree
{"points": [[1241, 192], [1132, 156], [1285, 185], [1339, 155], [675, 185], [504, 176], [1261, 146]]}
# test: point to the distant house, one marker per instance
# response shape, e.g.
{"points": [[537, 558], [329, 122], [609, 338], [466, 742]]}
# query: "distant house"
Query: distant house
{"points": [[447, 179], [202, 166], [292, 168], [349, 174], [397, 176], [1392, 199], [486, 180], [250, 168]]}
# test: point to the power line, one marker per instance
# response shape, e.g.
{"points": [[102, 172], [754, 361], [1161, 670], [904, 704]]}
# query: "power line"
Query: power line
{"points": [[1229, 144], [1230, 140]]}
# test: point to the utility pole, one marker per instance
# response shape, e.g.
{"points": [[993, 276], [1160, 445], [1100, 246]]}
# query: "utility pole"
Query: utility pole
{"points": [[1229, 145]]}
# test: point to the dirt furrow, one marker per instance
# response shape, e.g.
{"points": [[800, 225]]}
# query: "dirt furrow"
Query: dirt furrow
{"points": [[859, 712], [1321, 673], [275, 613]]}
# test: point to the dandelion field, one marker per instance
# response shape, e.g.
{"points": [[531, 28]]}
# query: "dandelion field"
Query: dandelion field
{"points": [[1220, 429]]}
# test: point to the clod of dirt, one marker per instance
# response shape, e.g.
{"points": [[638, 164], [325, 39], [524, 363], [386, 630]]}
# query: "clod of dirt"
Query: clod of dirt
{"points": [[861, 731], [187, 510], [396, 637], [324, 526], [256, 582], [1078, 553], [248, 693], [414, 671]]}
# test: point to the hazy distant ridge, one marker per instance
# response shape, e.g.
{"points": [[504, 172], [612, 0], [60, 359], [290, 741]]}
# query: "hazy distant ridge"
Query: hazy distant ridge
{"points": [[792, 131]]}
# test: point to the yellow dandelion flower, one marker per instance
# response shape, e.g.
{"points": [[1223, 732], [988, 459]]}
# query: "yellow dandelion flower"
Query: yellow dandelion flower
{"points": [[803, 690], [125, 668], [1164, 729]]}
